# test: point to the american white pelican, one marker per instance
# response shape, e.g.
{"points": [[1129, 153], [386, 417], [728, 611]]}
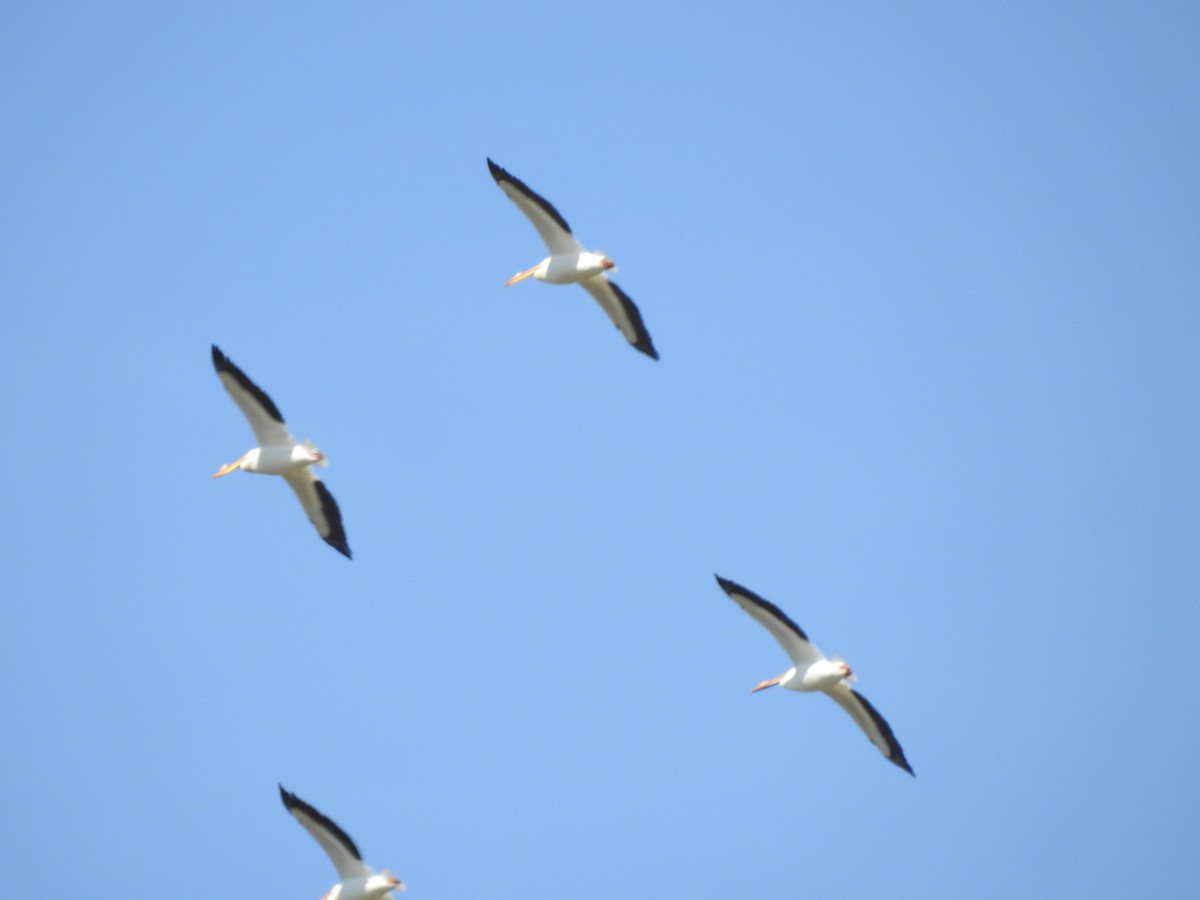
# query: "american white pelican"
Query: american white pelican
{"points": [[813, 672], [358, 880], [569, 261], [278, 453]]}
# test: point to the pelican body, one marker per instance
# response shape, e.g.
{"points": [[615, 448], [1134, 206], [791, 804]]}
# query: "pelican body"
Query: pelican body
{"points": [[812, 671], [369, 887], [570, 263], [822, 675], [275, 460], [566, 268]]}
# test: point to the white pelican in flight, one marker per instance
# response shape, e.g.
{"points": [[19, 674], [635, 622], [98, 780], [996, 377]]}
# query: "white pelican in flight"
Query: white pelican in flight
{"points": [[278, 453], [811, 671], [358, 880], [569, 261]]}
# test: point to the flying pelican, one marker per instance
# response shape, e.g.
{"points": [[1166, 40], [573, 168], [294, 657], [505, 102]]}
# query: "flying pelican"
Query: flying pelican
{"points": [[569, 261], [358, 880], [813, 672], [279, 454]]}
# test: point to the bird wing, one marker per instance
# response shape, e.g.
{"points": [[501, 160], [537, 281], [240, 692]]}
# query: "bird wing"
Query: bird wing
{"points": [[259, 409], [552, 227], [791, 636], [336, 843], [321, 508], [623, 312], [873, 725]]}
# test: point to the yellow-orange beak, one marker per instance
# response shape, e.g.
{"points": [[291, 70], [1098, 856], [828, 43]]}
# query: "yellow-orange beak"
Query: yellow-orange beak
{"points": [[230, 467], [521, 276], [766, 684]]}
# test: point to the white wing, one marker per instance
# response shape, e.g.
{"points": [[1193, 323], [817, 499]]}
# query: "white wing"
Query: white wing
{"points": [[335, 842], [791, 636], [873, 725], [623, 312], [552, 227], [321, 508], [256, 406]]}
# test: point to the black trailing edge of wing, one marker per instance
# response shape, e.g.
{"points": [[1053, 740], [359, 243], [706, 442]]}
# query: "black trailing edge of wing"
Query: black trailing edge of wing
{"points": [[895, 753], [292, 802], [222, 363], [501, 176], [333, 518], [732, 587], [643, 341]]}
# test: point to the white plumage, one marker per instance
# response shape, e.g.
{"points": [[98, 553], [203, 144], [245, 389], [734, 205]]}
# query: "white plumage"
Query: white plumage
{"points": [[570, 262], [357, 880], [278, 453], [812, 671]]}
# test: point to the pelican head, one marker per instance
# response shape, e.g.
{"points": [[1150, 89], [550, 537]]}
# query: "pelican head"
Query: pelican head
{"points": [[844, 668], [778, 679], [313, 455], [608, 263]]}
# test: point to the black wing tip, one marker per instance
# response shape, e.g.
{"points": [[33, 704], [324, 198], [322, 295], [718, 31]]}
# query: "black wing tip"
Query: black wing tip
{"points": [[224, 365], [732, 587], [333, 518], [634, 314], [294, 804], [501, 175], [895, 753], [726, 585], [899, 760]]}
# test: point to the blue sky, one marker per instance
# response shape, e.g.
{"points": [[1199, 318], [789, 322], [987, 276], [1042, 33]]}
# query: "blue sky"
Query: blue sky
{"points": [[924, 281]]}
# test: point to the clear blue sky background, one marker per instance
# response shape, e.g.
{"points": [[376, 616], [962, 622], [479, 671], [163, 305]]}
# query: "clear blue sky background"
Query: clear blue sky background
{"points": [[925, 282]]}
